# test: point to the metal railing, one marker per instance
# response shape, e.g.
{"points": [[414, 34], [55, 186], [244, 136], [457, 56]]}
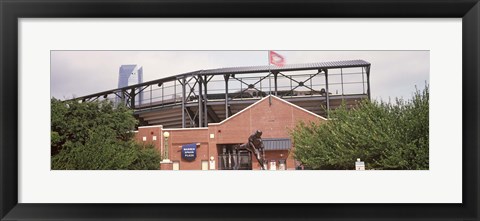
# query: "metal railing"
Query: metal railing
{"points": [[242, 88]]}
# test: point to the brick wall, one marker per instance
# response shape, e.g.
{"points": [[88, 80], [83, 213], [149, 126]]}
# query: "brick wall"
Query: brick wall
{"points": [[187, 136], [150, 133], [275, 120]]}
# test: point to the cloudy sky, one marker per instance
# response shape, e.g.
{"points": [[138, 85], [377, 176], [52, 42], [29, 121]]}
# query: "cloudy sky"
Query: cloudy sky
{"points": [[79, 73]]}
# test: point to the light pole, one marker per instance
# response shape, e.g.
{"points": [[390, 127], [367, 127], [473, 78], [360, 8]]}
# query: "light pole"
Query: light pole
{"points": [[166, 134]]}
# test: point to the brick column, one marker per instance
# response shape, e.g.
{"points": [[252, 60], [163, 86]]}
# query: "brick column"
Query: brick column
{"points": [[166, 165]]}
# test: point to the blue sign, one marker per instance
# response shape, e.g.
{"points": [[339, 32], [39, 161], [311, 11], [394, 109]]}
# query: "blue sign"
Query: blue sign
{"points": [[189, 151]]}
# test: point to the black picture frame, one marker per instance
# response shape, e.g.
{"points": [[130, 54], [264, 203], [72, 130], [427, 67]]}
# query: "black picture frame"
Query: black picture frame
{"points": [[12, 10]]}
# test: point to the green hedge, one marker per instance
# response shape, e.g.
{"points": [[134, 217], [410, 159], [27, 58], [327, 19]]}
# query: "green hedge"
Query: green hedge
{"points": [[385, 136], [96, 136]]}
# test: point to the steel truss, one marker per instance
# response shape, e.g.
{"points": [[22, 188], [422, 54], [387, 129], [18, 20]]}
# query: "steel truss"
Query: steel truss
{"points": [[202, 91]]}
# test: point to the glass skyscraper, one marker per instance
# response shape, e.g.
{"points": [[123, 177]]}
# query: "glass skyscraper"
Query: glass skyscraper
{"points": [[131, 74]]}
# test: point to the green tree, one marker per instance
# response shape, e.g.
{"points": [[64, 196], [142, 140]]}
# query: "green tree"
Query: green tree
{"points": [[96, 136], [386, 136]]}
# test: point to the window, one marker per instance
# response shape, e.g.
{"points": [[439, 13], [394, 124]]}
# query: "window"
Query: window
{"points": [[273, 165], [204, 164], [282, 165], [176, 165]]}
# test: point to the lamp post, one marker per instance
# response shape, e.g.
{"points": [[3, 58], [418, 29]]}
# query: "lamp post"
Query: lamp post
{"points": [[166, 134]]}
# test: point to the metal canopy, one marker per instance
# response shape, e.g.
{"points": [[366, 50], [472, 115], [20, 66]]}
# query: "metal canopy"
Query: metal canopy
{"points": [[277, 143], [289, 67]]}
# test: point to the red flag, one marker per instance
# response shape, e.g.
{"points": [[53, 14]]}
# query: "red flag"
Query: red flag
{"points": [[276, 59]]}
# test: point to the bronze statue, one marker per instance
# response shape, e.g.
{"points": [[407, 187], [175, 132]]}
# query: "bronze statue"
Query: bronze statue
{"points": [[255, 146]]}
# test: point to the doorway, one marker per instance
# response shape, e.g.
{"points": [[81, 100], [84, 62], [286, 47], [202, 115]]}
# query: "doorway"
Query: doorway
{"points": [[231, 159]]}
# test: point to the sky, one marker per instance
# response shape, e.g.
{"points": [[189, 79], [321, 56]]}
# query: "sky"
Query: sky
{"points": [[393, 74]]}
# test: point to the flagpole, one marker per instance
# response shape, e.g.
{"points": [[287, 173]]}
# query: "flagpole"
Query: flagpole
{"points": [[269, 80]]}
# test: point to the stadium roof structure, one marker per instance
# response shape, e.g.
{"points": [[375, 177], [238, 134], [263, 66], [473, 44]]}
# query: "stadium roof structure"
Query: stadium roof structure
{"points": [[197, 98], [288, 67]]}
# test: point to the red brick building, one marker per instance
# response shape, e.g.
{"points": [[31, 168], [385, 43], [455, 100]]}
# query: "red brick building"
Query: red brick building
{"points": [[214, 145]]}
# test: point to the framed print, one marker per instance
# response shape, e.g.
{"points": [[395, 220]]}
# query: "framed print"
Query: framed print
{"points": [[235, 144]]}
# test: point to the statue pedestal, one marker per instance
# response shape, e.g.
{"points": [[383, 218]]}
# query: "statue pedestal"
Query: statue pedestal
{"points": [[166, 164]]}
